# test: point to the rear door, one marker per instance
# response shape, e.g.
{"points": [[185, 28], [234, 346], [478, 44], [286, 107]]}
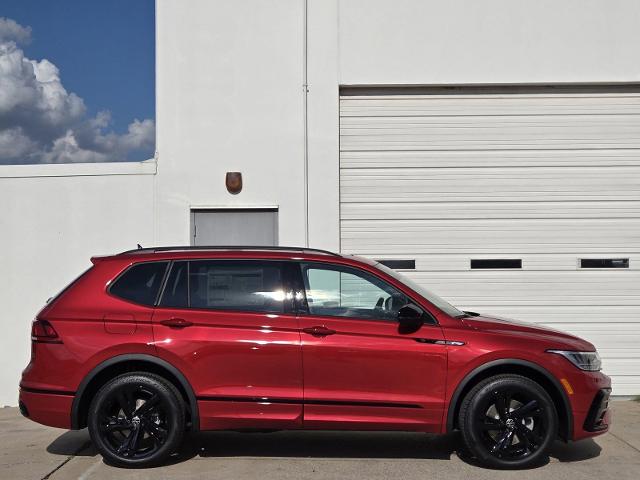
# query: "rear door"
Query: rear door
{"points": [[228, 325], [360, 370]]}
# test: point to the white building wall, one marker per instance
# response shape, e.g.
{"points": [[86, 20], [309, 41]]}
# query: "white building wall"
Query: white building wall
{"points": [[230, 97], [323, 124], [434, 42], [452, 42], [53, 219]]}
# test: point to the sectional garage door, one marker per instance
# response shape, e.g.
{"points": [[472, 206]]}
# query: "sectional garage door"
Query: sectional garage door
{"points": [[548, 176]]}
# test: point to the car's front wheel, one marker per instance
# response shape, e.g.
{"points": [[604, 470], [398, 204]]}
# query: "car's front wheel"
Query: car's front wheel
{"points": [[508, 421], [136, 420]]}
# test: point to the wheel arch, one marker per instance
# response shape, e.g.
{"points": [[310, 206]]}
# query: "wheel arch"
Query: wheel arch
{"points": [[126, 363], [521, 367]]}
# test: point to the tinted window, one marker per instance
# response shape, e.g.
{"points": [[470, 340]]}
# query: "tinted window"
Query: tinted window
{"points": [[399, 264], [140, 283], [604, 263], [176, 293], [347, 292], [236, 285], [478, 263]]}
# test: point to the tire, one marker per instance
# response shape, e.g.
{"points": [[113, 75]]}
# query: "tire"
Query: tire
{"points": [[137, 420], [508, 421]]}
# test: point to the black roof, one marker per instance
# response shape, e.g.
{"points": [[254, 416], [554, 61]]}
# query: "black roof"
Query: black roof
{"points": [[227, 247]]}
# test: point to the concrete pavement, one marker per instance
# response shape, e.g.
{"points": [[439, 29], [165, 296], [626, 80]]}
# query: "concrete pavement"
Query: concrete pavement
{"points": [[31, 451]]}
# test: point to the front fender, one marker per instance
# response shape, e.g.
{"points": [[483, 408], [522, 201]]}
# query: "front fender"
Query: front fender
{"points": [[502, 362]]}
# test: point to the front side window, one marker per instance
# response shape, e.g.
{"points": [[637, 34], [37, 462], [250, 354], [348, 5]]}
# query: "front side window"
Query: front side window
{"points": [[443, 305], [243, 285], [140, 283], [347, 292]]}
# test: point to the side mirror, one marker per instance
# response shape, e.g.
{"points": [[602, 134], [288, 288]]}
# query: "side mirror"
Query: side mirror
{"points": [[410, 317]]}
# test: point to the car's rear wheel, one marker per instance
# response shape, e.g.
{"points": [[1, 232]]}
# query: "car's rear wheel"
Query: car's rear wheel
{"points": [[137, 420], [508, 421]]}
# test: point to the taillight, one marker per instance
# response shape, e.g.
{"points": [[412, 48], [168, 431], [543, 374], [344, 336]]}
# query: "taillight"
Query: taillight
{"points": [[43, 331]]}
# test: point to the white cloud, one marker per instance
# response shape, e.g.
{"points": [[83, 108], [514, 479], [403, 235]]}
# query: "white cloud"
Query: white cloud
{"points": [[88, 143], [41, 122], [15, 145], [11, 31]]}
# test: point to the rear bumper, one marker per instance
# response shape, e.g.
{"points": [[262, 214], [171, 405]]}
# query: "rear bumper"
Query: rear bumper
{"points": [[48, 408]]}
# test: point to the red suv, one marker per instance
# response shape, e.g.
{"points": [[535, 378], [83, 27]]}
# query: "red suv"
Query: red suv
{"points": [[150, 343]]}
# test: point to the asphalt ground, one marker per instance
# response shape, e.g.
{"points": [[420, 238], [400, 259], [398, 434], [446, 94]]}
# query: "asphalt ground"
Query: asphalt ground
{"points": [[32, 451]]}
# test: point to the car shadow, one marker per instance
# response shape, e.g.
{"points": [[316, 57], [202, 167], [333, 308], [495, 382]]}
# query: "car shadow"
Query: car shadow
{"points": [[73, 443], [575, 451], [320, 444]]}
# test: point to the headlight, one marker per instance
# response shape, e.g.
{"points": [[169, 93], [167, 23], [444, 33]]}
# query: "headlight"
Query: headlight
{"points": [[589, 361]]}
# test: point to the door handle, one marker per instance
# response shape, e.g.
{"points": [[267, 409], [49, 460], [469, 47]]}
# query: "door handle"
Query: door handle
{"points": [[318, 331], [176, 322]]}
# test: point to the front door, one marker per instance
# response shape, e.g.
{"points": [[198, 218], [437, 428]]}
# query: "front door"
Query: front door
{"points": [[360, 371], [229, 327]]}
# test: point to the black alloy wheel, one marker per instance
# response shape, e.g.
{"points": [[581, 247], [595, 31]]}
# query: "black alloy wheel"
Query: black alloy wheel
{"points": [[508, 421], [137, 420]]}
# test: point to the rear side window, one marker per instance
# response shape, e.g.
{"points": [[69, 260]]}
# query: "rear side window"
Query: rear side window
{"points": [[140, 283], [243, 285], [176, 291]]}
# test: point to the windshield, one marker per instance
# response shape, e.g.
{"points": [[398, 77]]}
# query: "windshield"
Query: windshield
{"points": [[443, 305]]}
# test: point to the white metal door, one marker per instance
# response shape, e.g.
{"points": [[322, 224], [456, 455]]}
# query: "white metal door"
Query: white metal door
{"points": [[234, 226], [548, 176]]}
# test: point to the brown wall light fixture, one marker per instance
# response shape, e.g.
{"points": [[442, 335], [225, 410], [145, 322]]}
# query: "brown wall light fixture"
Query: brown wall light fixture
{"points": [[233, 182]]}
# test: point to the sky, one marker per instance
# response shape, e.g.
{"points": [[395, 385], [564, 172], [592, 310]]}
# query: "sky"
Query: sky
{"points": [[77, 80]]}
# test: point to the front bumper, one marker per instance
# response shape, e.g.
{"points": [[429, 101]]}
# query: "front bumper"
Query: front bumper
{"points": [[590, 404], [598, 416]]}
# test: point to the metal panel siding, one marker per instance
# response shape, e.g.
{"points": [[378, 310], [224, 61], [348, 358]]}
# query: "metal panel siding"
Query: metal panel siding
{"points": [[546, 177]]}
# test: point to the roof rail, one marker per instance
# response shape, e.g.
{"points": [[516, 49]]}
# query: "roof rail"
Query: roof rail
{"points": [[228, 247]]}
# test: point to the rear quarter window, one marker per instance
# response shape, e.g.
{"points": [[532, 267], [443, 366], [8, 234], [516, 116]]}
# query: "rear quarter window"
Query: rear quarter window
{"points": [[140, 283]]}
